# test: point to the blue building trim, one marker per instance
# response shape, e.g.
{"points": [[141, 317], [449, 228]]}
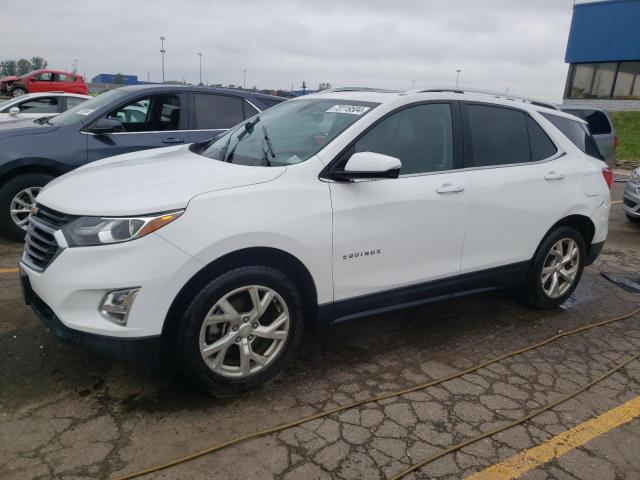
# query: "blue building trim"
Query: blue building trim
{"points": [[606, 31]]}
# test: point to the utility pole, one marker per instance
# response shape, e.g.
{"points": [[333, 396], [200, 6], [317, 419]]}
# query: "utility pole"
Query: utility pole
{"points": [[244, 79], [458, 76], [200, 55], [162, 52]]}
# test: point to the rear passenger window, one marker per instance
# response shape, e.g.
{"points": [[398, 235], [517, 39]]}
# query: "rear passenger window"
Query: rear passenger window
{"points": [[218, 111], [541, 145], [577, 132], [498, 135]]}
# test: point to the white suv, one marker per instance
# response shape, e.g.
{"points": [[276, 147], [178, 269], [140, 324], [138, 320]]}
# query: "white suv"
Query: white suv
{"points": [[322, 209]]}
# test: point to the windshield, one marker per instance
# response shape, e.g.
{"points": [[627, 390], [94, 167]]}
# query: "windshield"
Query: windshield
{"points": [[80, 111], [289, 133]]}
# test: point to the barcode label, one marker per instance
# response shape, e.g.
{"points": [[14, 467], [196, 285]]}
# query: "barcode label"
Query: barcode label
{"points": [[352, 109]]}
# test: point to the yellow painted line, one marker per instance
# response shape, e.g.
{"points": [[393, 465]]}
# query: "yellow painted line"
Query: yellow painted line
{"points": [[8, 270], [560, 444], [616, 202]]}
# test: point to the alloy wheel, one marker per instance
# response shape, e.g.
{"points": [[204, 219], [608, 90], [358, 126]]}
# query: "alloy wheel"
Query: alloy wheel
{"points": [[244, 331], [560, 268], [21, 205]]}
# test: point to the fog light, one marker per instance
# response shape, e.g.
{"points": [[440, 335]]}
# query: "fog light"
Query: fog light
{"points": [[117, 304]]}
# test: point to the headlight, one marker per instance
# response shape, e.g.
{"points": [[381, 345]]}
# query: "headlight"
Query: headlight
{"points": [[86, 231], [635, 176]]}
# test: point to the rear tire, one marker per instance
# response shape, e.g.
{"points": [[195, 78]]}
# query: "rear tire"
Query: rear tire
{"points": [[16, 193], [226, 341], [555, 270], [17, 92]]}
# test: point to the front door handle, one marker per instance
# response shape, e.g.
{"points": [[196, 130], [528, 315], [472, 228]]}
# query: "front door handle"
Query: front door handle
{"points": [[449, 188], [173, 140], [554, 176]]}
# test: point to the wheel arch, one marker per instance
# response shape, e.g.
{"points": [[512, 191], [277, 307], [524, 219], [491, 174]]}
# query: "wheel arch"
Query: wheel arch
{"points": [[30, 165], [264, 256]]}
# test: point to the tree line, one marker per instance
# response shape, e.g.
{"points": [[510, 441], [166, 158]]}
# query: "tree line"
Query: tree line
{"points": [[22, 66]]}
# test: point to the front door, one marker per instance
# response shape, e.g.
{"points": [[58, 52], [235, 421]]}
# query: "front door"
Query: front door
{"points": [[149, 122], [395, 233]]}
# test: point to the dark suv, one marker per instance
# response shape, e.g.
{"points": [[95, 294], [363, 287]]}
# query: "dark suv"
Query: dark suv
{"points": [[119, 121]]}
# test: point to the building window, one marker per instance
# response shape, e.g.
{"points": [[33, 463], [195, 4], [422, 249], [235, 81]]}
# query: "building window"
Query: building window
{"points": [[628, 81], [593, 80], [619, 80]]}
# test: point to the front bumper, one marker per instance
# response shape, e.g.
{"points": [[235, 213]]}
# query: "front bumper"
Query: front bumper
{"points": [[71, 289], [145, 350], [631, 200]]}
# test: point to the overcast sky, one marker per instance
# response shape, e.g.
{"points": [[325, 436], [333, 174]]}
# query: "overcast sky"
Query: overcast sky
{"points": [[518, 44]]}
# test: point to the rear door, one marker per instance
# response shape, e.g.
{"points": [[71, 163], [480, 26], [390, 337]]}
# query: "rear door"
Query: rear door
{"points": [[150, 121], [519, 186], [213, 113]]}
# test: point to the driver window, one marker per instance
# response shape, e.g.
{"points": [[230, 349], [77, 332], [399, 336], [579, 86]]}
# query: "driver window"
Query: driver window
{"points": [[155, 113], [40, 105], [421, 137], [44, 77]]}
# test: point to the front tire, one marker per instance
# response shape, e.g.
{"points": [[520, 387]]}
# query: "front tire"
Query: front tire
{"points": [[18, 92], [556, 269], [239, 330], [17, 197]]}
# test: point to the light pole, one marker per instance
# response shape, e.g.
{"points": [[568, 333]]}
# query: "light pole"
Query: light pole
{"points": [[458, 76], [75, 65], [162, 52], [244, 79], [200, 55]]}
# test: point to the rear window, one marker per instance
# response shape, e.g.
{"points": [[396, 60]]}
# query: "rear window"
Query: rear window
{"points": [[218, 111], [598, 122], [577, 132]]}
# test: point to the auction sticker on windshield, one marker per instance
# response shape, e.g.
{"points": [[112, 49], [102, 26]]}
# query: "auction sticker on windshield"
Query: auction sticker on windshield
{"points": [[352, 109], [84, 111]]}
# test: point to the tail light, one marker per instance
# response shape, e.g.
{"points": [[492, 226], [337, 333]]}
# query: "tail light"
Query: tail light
{"points": [[607, 173]]}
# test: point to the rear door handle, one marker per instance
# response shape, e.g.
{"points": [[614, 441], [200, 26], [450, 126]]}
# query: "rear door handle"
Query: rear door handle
{"points": [[449, 188], [173, 140], [554, 176]]}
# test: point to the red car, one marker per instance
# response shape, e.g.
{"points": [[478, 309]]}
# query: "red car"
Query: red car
{"points": [[48, 81], [5, 84]]}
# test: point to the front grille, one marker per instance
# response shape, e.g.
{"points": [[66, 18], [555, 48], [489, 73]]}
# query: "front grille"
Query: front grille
{"points": [[40, 246]]}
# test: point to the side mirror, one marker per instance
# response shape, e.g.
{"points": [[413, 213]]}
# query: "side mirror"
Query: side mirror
{"points": [[106, 125], [369, 165], [14, 110], [32, 79]]}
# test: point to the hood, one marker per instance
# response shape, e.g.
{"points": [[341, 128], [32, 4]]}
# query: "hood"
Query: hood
{"points": [[24, 126], [149, 181]]}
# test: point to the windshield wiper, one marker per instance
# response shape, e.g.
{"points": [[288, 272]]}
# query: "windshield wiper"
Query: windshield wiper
{"points": [[269, 148], [248, 129]]}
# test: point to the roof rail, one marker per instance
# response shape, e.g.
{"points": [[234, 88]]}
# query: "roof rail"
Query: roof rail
{"points": [[492, 93], [359, 89]]}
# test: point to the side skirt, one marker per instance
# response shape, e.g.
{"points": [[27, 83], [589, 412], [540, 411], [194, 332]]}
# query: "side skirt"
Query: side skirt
{"points": [[512, 275]]}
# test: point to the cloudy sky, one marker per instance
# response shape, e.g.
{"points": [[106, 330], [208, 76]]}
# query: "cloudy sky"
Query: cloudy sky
{"points": [[498, 44]]}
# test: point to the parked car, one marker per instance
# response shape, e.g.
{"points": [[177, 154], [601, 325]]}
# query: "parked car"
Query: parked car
{"points": [[48, 81], [5, 84], [323, 209], [39, 105], [119, 121], [601, 127], [631, 197]]}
